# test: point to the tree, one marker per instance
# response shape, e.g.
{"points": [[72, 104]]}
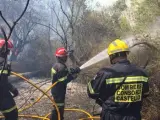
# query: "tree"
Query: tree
{"points": [[67, 18], [96, 28], [26, 28], [11, 28], [37, 53], [24, 32], [146, 13], [65, 15]]}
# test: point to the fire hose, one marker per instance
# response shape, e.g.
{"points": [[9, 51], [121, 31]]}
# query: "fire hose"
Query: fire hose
{"points": [[90, 117], [18, 75]]}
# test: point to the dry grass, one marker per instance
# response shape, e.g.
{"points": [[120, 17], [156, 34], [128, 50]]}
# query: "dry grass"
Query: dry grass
{"points": [[76, 97]]}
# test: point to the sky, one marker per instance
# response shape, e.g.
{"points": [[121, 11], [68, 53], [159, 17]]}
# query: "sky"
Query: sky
{"points": [[93, 3], [102, 3]]}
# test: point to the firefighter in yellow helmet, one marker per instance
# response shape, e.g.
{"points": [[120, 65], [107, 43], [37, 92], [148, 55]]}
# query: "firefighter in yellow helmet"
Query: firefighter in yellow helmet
{"points": [[120, 88]]}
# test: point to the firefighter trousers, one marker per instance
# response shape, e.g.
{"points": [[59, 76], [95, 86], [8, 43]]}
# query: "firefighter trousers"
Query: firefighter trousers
{"points": [[13, 115], [8, 106], [105, 115], [54, 115]]}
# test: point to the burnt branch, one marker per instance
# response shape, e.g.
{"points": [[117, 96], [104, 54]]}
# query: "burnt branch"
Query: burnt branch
{"points": [[145, 43], [148, 45], [4, 33], [53, 29], [63, 11], [4, 20], [16, 21], [6, 43], [10, 32], [62, 28], [158, 2]]}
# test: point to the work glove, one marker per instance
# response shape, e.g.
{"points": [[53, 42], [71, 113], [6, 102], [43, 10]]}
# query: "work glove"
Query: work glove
{"points": [[74, 70], [15, 92], [99, 101]]}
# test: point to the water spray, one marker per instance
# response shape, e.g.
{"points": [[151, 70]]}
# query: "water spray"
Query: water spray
{"points": [[103, 55], [96, 59]]}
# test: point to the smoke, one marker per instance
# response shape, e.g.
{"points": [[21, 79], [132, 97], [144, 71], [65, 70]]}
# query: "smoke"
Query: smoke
{"points": [[154, 28]]}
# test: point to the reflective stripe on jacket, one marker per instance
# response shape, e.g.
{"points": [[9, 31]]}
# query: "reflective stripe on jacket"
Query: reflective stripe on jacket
{"points": [[10, 109], [59, 72], [117, 95]]}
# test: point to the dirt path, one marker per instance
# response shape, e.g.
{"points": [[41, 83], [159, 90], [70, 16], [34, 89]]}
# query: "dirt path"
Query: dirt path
{"points": [[76, 97]]}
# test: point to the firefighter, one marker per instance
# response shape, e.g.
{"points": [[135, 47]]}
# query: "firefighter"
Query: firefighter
{"points": [[7, 91], [63, 75], [120, 88]]}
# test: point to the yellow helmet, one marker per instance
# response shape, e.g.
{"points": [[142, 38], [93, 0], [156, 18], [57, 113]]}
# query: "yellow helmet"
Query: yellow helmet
{"points": [[117, 46]]}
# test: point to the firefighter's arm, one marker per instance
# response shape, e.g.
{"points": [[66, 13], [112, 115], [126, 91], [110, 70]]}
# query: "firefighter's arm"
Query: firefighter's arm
{"points": [[53, 74], [57, 72], [60, 73], [145, 84], [94, 86], [13, 90], [145, 89], [73, 73]]}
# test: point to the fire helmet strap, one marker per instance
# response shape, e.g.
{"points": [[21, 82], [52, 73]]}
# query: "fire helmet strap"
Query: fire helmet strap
{"points": [[120, 54]]}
